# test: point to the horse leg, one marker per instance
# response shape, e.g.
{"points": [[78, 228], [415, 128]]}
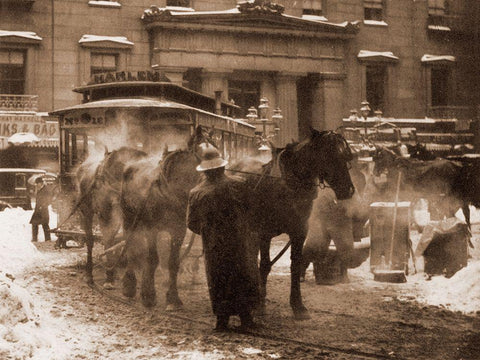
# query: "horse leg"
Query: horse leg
{"points": [[87, 226], [109, 230], [265, 267], [299, 310], [129, 280], [148, 292], [173, 300]]}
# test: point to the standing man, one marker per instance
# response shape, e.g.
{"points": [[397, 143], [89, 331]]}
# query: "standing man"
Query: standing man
{"points": [[40, 214], [217, 212]]}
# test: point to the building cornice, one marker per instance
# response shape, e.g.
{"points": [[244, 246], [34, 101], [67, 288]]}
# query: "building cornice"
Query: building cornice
{"points": [[258, 21]]}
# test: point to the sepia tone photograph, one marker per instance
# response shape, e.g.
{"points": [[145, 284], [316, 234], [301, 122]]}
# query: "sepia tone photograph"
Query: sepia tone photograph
{"points": [[239, 179]]}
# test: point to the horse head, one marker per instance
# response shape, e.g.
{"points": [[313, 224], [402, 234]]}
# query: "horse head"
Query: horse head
{"points": [[324, 156], [384, 159]]}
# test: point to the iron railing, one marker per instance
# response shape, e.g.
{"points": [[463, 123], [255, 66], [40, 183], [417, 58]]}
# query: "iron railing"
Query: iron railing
{"points": [[18, 102]]}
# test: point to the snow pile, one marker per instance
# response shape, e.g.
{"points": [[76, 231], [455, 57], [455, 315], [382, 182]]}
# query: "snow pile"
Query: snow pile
{"points": [[21, 335], [459, 293], [16, 250], [25, 331]]}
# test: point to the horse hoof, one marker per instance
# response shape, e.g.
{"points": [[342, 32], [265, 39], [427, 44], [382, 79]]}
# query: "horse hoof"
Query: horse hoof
{"points": [[149, 301], [108, 286], [174, 307], [302, 315]]}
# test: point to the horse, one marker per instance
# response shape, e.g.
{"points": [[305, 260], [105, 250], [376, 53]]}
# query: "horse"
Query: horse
{"points": [[98, 193], [154, 199], [282, 204], [440, 180]]}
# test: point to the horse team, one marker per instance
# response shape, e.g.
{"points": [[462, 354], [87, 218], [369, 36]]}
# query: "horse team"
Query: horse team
{"points": [[126, 189]]}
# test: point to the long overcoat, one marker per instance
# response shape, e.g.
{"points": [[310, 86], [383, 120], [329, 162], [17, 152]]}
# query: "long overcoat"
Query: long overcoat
{"points": [[40, 214], [217, 212]]}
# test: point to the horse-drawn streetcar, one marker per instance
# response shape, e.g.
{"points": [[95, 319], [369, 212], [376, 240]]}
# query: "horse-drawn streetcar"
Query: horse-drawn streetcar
{"points": [[144, 111]]}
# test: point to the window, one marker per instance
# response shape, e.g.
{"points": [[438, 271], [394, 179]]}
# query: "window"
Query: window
{"points": [[180, 3], [312, 7], [244, 93], [438, 7], [376, 79], [440, 77], [373, 10], [101, 63], [12, 72]]}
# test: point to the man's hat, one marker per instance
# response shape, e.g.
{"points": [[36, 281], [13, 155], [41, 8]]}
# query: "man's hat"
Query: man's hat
{"points": [[211, 159]]}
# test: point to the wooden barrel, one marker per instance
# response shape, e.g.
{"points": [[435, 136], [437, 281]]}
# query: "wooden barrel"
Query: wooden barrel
{"points": [[381, 226]]}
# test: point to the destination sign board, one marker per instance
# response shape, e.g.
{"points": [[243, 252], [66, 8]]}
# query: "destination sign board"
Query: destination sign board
{"points": [[83, 118]]}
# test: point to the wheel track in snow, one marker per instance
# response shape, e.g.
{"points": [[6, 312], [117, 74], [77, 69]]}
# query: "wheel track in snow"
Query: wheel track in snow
{"points": [[325, 350]]}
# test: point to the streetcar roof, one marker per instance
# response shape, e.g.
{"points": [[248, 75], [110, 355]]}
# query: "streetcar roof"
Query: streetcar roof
{"points": [[133, 103], [22, 170]]}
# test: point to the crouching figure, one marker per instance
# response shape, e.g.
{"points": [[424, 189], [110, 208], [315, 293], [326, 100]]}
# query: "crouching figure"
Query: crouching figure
{"points": [[330, 220], [217, 212]]}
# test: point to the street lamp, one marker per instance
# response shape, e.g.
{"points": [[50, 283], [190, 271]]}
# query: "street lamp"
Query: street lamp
{"points": [[260, 117]]}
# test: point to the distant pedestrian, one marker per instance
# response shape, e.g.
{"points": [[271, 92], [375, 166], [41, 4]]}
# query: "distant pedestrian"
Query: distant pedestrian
{"points": [[217, 212], [40, 214]]}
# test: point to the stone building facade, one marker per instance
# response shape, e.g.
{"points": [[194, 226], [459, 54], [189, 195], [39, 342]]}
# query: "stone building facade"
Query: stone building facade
{"points": [[315, 60]]}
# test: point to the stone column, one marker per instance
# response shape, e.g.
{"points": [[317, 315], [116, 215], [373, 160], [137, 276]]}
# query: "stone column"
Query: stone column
{"points": [[215, 80], [328, 102], [287, 102]]}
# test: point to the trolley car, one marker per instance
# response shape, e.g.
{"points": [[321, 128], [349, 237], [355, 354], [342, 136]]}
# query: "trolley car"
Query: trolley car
{"points": [[147, 111]]}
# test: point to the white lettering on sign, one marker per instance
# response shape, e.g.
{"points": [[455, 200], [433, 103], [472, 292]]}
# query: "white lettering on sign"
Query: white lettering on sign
{"points": [[9, 126]]}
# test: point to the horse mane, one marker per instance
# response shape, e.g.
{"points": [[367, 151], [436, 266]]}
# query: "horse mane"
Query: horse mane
{"points": [[167, 164]]}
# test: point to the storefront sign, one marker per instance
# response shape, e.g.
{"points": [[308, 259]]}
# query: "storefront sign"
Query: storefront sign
{"points": [[11, 124]]}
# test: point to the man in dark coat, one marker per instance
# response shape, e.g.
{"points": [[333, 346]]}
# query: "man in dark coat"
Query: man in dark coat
{"points": [[217, 212], [341, 221], [40, 214]]}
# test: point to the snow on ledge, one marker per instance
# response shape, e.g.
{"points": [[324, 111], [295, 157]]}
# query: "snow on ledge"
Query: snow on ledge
{"points": [[105, 3], [375, 22], [97, 38], [439, 28], [431, 58], [365, 54], [24, 34], [314, 17]]}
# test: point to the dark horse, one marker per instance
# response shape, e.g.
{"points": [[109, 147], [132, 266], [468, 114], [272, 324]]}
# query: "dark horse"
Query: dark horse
{"points": [[99, 187], [283, 204], [441, 181], [154, 198], [467, 182]]}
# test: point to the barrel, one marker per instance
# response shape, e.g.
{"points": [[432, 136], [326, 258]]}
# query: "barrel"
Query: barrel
{"points": [[381, 226]]}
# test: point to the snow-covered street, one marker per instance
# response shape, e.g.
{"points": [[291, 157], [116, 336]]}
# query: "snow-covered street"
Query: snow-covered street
{"points": [[40, 316]]}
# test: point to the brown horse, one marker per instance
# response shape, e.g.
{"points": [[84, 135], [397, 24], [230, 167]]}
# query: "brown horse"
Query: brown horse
{"points": [[154, 199], [449, 184], [439, 181], [98, 193], [283, 204]]}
